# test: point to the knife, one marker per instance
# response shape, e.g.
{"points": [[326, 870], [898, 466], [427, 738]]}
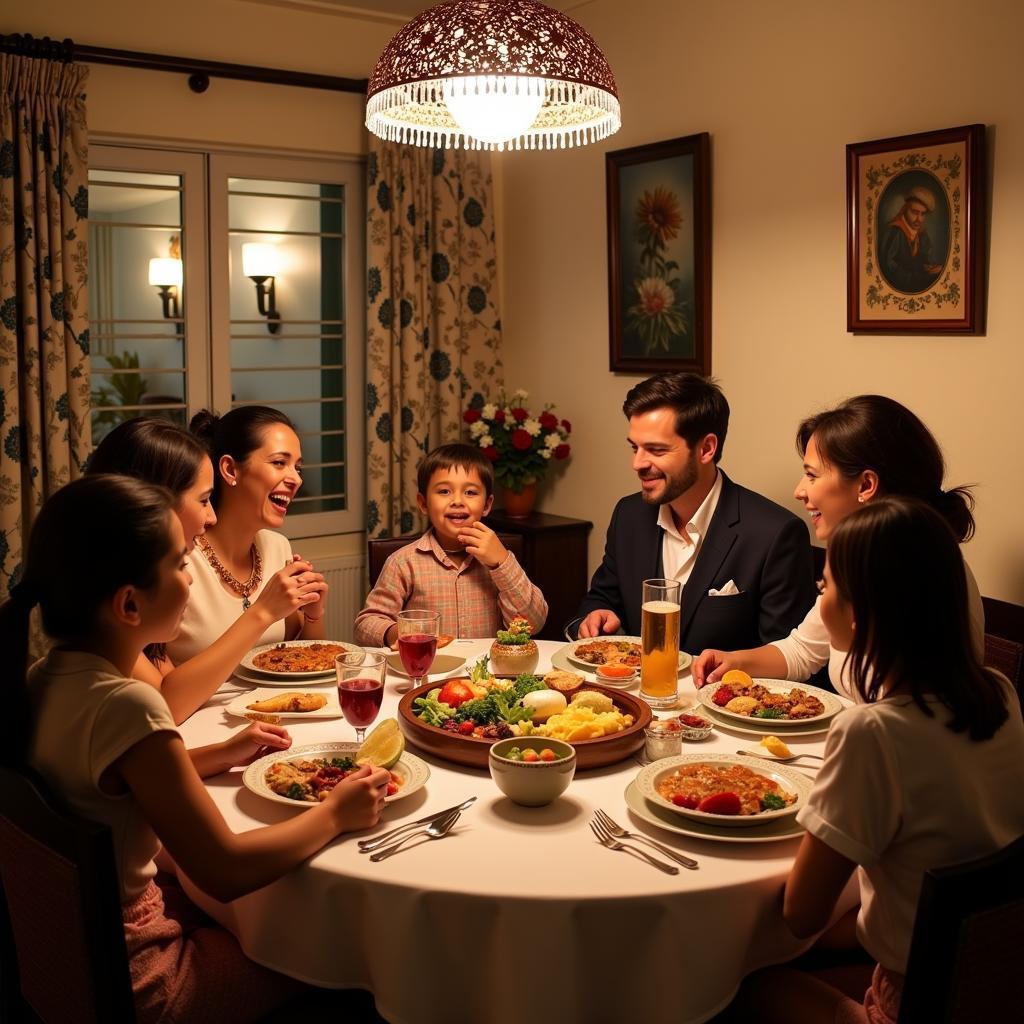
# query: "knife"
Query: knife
{"points": [[369, 845]]}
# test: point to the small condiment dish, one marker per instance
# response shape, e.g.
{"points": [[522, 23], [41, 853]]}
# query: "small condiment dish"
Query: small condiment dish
{"points": [[691, 730], [532, 783], [615, 675]]}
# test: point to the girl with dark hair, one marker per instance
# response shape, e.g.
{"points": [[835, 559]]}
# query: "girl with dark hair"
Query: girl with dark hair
{"points": [[925, 772], [867, 447], [162, 453], [107, 744], [257, 461]]}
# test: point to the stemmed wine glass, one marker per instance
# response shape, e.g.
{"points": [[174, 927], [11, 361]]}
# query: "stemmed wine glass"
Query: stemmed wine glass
{"points": [[417, 643], [360, 687]]}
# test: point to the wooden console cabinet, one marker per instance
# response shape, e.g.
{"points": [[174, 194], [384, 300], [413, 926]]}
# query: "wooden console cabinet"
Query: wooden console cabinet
{"points": [[555, 558]]}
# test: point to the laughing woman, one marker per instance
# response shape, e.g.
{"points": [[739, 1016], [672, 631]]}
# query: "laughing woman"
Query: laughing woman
{"points": [[162, 453], [257, 462]]}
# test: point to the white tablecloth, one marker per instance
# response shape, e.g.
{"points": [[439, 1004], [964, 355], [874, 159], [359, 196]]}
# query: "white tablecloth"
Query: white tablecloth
{"points": [[520, 915]]}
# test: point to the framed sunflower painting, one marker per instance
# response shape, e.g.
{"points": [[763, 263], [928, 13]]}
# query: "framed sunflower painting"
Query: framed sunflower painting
{"points": [[659, 256]]}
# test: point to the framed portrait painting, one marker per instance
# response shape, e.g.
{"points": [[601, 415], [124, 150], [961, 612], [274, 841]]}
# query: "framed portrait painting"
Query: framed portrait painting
{"points": [[915, 233], [659, 256]]}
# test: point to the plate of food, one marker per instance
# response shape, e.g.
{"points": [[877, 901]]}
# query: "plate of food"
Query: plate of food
{"points": [[723, 790], [441, 665], [776, 701], [303, 776], [460, 719], [760, 726], [273, 706], [295, 659], [605, 651], [669, 821]]}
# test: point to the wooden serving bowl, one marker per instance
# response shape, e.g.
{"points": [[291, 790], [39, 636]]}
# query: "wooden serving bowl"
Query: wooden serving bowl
{"points": [[470, 750]]}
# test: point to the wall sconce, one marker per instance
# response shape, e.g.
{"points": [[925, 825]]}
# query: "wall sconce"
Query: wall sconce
{"points": [[260, 262], [165, 276]]}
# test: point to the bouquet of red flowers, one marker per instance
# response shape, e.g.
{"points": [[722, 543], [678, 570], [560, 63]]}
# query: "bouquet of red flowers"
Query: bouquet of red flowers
{"points": [[520, 445]]}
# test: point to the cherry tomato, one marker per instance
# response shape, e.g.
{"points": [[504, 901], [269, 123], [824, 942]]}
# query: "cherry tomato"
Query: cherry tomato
{"points": [[720, 803], [547, 754], [466, 728], [530, 755], [455, 692]]}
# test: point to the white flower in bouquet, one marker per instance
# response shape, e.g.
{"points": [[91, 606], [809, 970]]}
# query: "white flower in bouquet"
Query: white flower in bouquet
{"points": [[553, 440], [486, 441], [545, 453], [532, 427], [478, 428], [488, 411]]}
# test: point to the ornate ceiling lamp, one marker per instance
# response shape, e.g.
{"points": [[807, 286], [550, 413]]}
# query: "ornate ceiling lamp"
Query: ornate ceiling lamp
{"points": [[486, 74]]}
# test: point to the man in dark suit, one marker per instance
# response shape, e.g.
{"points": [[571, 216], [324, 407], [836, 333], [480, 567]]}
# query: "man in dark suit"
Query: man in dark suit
{"points": [[745, 562]]}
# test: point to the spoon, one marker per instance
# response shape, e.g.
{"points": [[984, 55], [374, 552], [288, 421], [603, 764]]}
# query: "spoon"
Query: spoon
{"points": [[435, 830], [766, 755]]}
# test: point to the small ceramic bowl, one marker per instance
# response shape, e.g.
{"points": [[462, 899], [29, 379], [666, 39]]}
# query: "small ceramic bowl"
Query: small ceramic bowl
{"points": [[532, 783], [615, 675], [692, 731], [514, 659]]}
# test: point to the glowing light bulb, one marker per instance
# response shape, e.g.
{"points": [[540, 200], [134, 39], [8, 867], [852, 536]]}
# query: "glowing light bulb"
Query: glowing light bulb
{"points": [[494, 108]]}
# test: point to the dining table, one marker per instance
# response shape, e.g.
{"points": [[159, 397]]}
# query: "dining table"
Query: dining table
{"points": [[519, 914]]}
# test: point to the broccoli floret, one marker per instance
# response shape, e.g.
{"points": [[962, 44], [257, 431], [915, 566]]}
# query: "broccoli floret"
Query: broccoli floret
{"points": [[772, 802], [480, 711], [769, 713], [525, 684]]}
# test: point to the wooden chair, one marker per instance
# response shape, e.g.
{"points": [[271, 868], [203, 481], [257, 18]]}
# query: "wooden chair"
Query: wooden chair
{"points": [[968, 936], [1004, 640], [64, 958], [379, 548]]}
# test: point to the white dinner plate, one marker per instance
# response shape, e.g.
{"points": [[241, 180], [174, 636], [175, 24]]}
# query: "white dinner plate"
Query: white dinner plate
{"points": [[254, 679], [763, 726], [832, 704], [771, 832], [410, 769], [787, 778], [248, 662], [568, 654], [240, 705]]}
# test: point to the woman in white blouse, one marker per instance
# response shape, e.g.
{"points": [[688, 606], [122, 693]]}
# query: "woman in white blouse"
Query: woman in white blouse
{"points": [[162, 453], [866, 447]]}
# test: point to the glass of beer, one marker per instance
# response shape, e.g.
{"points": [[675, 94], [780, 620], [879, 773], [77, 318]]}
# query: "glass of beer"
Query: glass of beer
{"points": [[659, 642]]}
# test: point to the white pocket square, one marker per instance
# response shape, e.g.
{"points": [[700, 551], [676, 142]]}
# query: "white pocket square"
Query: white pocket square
{"points": [[727, 590]]}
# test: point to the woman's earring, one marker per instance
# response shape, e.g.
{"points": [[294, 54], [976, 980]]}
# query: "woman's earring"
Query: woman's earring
{"points": [[860, 498], [233, 482]]}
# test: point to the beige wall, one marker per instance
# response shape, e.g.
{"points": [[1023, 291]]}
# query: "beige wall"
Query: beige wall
{"points": [[782, 87], [301, 37]]}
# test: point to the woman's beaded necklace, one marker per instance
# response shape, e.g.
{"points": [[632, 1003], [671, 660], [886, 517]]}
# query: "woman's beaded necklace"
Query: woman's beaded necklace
{"points": [[244, 590]]}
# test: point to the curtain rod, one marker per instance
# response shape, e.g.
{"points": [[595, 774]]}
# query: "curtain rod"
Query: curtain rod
{"points": [[199, 71]]}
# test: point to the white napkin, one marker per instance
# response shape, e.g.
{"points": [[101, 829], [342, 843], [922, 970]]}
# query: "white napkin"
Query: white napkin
{"points": [[728, 590]]}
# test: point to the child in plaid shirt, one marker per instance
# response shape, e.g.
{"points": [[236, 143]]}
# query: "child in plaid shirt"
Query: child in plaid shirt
{"points": [[458, 567]]}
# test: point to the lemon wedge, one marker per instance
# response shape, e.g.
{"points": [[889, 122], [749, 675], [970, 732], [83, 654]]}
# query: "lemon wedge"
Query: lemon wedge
{"points": [[383, 746], [776, 746], [737, 676]]}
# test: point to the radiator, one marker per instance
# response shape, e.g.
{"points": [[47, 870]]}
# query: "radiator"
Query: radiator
{"points": [[346, 576]]}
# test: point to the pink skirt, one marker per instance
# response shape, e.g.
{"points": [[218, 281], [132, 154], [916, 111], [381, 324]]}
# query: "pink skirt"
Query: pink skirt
{"points": [[186, 968], [881, 1001]]}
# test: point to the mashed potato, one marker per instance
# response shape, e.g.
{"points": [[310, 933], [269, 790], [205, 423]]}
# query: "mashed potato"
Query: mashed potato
{"points": [[597, 702], [742, 705]]}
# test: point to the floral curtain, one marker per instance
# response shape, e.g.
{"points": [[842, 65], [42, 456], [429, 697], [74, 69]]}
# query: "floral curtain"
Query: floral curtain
{"points": [[44, 328], [433, 331]]}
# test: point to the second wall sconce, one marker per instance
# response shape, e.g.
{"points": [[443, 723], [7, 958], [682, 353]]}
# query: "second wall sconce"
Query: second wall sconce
{"points": [[260, 262], [165, 276]]}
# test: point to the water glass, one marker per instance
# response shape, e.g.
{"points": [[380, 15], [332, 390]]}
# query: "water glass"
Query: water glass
{"points": [[659, 642], [360, 687]]}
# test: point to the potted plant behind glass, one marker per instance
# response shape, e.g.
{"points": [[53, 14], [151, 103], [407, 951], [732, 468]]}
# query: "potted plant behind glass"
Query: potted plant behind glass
{"points": [[520, 445]]}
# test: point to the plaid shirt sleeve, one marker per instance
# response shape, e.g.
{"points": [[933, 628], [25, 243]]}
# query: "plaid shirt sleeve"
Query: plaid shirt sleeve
{"points": [[517, 596], [388, 597]]}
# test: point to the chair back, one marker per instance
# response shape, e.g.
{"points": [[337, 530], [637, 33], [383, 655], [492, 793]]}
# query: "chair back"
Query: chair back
{"points": [[1004, 640], [380, 548], [63, 909], [967, 941]]}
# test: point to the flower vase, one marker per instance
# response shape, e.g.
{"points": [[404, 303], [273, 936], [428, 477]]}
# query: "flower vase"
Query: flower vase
{"points": [[519, 504]]}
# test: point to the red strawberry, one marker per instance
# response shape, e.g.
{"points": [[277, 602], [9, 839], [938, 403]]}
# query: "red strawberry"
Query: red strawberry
{"points": [[685, 800], [720, 803]]}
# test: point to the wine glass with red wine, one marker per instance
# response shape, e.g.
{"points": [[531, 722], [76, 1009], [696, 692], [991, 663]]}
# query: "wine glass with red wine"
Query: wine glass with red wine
{"points": [[360, 687], [417, 642]]}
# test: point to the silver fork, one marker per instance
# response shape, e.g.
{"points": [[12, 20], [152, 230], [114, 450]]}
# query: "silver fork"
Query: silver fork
{"points": [[618, 832], [435, 830], [613, 844]]}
